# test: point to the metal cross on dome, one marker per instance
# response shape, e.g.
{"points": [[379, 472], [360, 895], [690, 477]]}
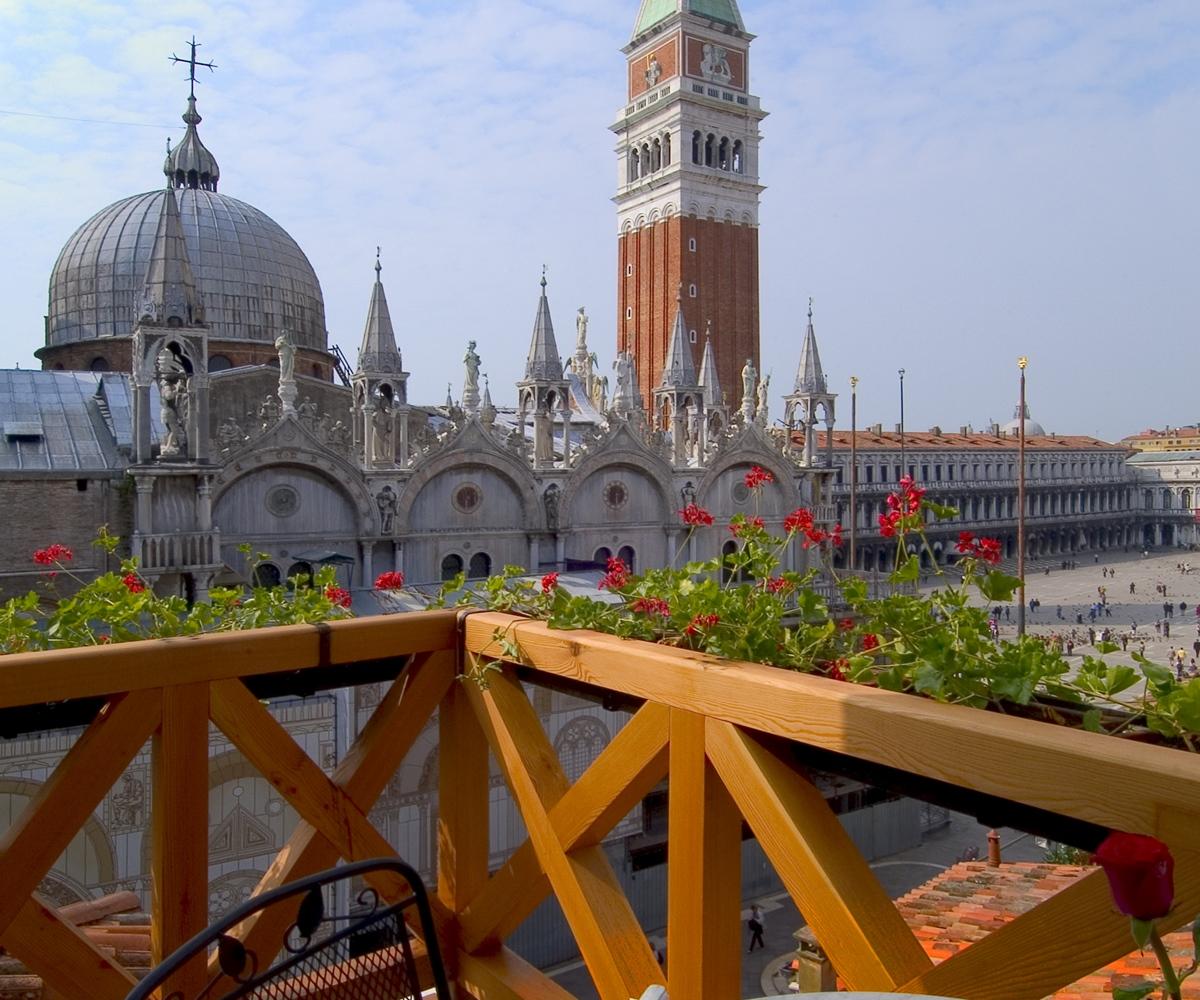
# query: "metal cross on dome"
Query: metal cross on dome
{"points": [[192, 63]]}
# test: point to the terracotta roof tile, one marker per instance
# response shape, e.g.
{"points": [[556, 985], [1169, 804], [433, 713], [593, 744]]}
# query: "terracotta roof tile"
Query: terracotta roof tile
{"points": [[966, 902]]}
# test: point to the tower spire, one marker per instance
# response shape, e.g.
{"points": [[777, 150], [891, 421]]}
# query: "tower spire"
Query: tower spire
{"points": [[709, 380], [190, 164], [378, 352], [543, 362], [169, 296], [810, 377], [679, 369]]}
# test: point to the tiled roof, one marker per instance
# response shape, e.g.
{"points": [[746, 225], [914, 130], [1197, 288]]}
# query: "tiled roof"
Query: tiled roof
{"points": [[976, 441], [966, 902]]}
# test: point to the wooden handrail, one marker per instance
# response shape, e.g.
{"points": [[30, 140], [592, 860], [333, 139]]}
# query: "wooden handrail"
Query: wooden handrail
{"points": [[715, 729]]}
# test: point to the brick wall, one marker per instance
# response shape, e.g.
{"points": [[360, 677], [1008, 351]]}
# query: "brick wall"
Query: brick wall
{"points": [[724, 269], [45, 510]]}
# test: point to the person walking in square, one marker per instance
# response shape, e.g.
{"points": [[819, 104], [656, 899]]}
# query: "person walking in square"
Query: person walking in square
{"points": [[755, 923]]}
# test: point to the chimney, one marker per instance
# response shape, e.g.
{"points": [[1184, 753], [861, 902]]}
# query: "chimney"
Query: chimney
{"points": [[964, 430], [936, 431], [876, 429], [897, 428], [993, 849]]}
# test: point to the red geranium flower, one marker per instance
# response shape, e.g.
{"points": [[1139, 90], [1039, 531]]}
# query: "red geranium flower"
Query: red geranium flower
{"points": [[52, 554], [617, 575], [337, 596], [695, 516], [133, 583], [701, 621], [1140, 874], [836, 535], [549, 582], [776, 585], [391, 580], [758, 477], [801, 519], [846, 624], [836, 669], [740, 524], [870, 642], [651, 606]]}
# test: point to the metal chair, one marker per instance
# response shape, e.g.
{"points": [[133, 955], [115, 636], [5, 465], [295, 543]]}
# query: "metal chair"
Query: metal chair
{"points": [[366, 954]]}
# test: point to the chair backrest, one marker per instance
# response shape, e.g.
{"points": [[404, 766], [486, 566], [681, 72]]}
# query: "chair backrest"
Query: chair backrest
{"points": [[372, 952]]}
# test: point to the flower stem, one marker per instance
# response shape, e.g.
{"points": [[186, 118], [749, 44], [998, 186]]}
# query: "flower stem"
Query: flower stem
{"points": [[1171, 984]]}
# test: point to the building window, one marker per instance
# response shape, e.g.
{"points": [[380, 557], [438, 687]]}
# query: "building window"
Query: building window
{"points": [[629, 270], [628, 557], [692, 336], [629, 312], [481, 566], [697, 139], [692, 291], [937, 473], [692, 245], [267, 575], [602, 556], [452, 565], [870, 473]]}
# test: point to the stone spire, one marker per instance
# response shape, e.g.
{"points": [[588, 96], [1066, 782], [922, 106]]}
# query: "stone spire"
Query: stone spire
{"points": [[378, 352], [679, 369], [708, 372], [544, 363], [810, 378], [169, 296], [654, 12]]}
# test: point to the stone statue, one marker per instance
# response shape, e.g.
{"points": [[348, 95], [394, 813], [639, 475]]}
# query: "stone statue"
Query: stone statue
{"points": [[381, 422], [173, 402], [470, 396], [307, 412], [600, 393], [339, 436], [550, 500], [386, 500], [688, 493], [581, 325], [764, 387], [268, 413], [653, 72], [229, 435], [287, 357], [623, 397], [749, 396], [128, 804]]}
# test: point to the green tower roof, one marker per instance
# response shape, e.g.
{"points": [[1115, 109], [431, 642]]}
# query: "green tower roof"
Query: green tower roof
{"points": [[654, 11]]}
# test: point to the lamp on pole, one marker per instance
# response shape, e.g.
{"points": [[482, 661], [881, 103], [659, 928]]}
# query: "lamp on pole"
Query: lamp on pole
{"points": [[903, 466], [1022, 362], [853, 471]]}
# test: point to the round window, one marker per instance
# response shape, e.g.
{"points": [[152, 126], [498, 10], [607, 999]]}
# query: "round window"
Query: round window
{"points": [[283, 501], [467, 498], [616, 495], [741, 492]]}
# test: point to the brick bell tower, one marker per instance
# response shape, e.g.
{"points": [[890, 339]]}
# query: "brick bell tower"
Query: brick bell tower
{"points": [[688, 192]]}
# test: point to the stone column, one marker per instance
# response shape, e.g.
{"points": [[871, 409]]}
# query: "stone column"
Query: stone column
{"points": [[672, 547], [141, 430], [204, 504], [402, 418], [560, 549], [198, 418], [533, 554], [144, 523], [366, 549], [397, 555]]}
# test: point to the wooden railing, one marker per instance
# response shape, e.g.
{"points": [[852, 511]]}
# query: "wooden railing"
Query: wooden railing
{"points": [[728, 736]]}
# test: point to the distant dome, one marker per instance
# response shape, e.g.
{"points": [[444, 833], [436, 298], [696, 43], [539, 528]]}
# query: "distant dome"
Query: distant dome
{"points": [[253, 278], [1013, 427]]}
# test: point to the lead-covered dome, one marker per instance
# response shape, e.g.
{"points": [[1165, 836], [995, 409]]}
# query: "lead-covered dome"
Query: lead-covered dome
{"points": [[253, 278]]}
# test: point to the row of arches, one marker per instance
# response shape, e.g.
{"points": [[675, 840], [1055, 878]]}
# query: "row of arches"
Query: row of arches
{"points": [[1168, 499], [649, 157], [951, 471], [479, 567], [718, 152]]}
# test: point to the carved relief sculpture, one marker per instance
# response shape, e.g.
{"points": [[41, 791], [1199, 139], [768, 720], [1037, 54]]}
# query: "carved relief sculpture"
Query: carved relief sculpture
{"points": [[173, 402], [386, 500], [550, 499], [714, 67]]}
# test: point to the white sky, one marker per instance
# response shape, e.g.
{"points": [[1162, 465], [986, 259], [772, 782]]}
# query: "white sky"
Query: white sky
{"points": [[956, 183]]}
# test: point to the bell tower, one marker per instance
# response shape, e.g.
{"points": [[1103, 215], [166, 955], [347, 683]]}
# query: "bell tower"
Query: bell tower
{"points": [[687, 188]]}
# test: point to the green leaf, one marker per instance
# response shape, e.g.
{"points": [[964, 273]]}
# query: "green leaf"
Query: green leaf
{"points": [[1142, 929], [1091, 721], [1139, 992], [910, 572], [997, 586], [941, 511], [1161, 677]]}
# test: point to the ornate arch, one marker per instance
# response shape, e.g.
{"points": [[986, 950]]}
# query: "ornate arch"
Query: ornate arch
{"points": [[93, 832], [517, 474], [626, 455], [746, 449]]}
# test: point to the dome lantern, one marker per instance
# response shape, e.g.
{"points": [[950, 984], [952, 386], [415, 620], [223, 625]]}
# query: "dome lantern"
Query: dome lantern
{"points": [[191, 164]]}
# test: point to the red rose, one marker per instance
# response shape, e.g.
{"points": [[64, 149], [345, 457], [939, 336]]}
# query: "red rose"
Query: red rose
{"points": [[1140, 874]]}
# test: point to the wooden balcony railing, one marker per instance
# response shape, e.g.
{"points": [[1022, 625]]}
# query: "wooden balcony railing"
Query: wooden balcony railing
{"points": [[732, 739]]}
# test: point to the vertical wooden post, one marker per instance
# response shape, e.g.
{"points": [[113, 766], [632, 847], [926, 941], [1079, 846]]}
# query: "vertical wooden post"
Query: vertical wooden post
{"points": [[704, 874], [179, 830], [462, 849]]}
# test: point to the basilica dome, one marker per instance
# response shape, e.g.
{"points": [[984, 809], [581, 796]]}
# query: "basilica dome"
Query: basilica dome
{"points": [[253, 278]]}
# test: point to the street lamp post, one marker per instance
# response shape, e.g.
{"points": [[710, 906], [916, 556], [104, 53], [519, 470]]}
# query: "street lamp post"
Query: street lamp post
{"points": [[1022, 361], [903, 466], [853, 471]]}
